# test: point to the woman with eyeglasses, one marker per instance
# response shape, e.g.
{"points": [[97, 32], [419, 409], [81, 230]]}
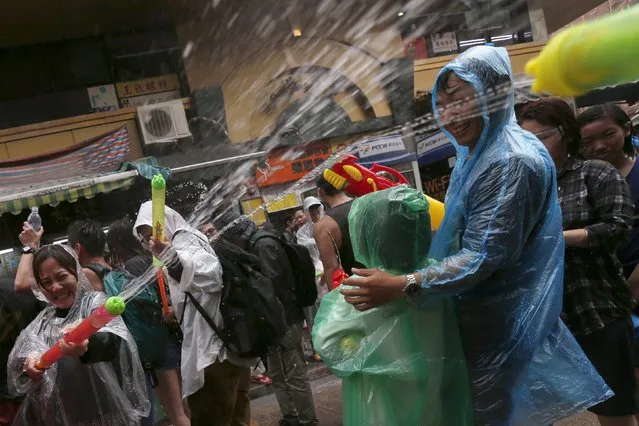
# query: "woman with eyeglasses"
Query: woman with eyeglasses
{"points": [[597, 213]]}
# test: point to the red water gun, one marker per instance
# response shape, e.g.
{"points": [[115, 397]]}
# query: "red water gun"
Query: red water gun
{"points": [[357, 180], [350, 176]]}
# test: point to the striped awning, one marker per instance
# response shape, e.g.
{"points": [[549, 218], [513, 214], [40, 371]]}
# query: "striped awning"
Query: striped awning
{"points": [[66, 190]]}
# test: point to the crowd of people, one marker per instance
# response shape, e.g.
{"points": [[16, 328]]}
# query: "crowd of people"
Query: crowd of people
{"points": [[539, 232]]}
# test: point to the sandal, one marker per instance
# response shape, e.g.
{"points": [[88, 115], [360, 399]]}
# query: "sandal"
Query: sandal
{"points": [[262, 379]]}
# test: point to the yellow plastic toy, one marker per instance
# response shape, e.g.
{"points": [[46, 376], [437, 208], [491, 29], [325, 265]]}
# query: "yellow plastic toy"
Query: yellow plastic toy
{"points": [[588, 56]]}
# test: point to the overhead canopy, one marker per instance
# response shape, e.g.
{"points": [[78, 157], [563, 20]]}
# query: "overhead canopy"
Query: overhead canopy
{"points": [[84, 170], [70, 189]]}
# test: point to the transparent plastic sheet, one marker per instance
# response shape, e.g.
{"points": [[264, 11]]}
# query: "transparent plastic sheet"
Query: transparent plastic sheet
{"points": [[401, 364], [305, 235], [71, 393], [501, 250]]}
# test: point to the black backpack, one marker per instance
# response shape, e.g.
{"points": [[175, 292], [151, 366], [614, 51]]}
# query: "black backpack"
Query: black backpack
{"points": [[253, 317], [304, 288]]}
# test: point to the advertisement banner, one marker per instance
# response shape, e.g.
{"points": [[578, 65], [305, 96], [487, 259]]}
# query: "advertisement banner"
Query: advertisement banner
{"points": [[431, 143], [381, 146]]}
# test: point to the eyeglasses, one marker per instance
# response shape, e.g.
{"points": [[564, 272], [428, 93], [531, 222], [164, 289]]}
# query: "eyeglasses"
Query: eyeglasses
{"points": [[547, 134]]}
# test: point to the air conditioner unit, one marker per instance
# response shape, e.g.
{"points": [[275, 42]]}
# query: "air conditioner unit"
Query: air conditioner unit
{"points": [[163, 122]]}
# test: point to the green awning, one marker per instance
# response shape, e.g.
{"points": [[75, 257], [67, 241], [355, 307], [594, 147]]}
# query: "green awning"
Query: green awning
{"points": [[66, 191], [16, 199]]}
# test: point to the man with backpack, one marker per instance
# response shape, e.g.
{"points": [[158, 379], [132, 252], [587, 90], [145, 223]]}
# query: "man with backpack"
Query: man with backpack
{"points": [[288, 268], [215, 380]]}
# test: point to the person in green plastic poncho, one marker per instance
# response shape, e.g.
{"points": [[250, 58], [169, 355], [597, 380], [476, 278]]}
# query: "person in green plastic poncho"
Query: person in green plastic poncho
{"points": [[401, 364]]}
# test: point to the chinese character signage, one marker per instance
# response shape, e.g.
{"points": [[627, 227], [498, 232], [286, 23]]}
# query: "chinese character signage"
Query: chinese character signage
{"points": [[164, 83], [381, 146], [291, 164], [444, 42], [138, 101]]}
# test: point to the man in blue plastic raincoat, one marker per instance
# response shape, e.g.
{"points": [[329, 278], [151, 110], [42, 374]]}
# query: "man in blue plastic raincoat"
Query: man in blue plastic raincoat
{"points": [[500, 250]]}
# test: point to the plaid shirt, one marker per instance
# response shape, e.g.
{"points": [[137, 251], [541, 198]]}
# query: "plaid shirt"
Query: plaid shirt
{"points": [[594, 196]]}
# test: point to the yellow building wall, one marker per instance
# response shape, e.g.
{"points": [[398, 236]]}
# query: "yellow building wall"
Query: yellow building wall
{"points": [[248, 72], [426, 70]]}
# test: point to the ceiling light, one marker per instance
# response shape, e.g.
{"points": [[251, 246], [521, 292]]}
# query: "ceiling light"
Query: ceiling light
{"points": [[400, 14]]}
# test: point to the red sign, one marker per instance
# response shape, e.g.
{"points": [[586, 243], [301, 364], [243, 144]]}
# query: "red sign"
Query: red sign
{"points": [[291, 164], [416, 49]]}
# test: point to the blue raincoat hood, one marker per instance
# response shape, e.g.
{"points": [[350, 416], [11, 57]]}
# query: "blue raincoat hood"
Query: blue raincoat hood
{"points": [[501, 253]]}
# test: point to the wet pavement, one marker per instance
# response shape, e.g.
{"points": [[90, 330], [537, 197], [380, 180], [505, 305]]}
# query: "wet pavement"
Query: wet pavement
{"points": [[328, 404], [328, 397]]}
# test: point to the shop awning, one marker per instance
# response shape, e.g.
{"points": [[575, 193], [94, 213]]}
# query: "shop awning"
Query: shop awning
{"points": [[54, 192], [92, 167]]}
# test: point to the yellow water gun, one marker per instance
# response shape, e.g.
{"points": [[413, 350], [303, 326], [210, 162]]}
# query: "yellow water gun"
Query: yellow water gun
{"points": [[588, 56]]}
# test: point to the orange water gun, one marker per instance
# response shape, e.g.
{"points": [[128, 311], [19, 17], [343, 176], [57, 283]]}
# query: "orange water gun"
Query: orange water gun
{"points": [[358, 180]]}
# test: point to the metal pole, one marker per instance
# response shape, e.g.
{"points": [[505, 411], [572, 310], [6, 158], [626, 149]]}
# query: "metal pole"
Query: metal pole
{"points": [[411, 146], [216, 162]]}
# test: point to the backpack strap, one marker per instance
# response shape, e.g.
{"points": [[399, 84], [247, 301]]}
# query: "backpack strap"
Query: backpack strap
{"points": [[262, 234], [204, 314], [100, 270]]}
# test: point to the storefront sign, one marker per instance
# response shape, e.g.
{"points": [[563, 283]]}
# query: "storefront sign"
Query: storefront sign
{"points": [[432, 142], [253, 208], [291, 164], [103, 98], [278, 202], [164, 83], [138, 101], [444, 42], [376, 147]]}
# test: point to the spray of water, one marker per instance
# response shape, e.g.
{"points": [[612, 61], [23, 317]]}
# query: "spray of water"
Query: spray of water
{"points": [[249, 50]]}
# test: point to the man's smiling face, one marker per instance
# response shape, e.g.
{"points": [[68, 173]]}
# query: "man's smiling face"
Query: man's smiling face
{"points": [[459, 110]]}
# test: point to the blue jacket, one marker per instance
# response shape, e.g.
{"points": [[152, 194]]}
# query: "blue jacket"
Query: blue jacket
{"points": [[501, 251]]}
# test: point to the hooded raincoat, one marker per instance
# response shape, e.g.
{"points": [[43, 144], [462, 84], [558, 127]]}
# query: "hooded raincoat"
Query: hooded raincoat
{"points": [[305, 235], [71, 393], [401, 363], [501, 250], [202, 277]]}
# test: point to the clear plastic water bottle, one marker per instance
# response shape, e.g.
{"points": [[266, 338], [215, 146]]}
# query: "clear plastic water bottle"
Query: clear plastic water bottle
{"points": [[34, 219]]}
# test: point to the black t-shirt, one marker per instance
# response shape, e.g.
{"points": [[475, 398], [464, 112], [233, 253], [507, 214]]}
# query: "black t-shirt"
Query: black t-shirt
{"points": [[16, 312], [340, 215]]}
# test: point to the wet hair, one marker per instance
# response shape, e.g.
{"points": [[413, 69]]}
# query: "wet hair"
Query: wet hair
{"points": [[123, 245], [60, 254], [555, 113], [89, 234], [243, 227], [618, 115], [324, 185]]}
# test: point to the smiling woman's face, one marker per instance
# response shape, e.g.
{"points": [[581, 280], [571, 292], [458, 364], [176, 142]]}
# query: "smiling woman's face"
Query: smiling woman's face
{"points": [[459, 111], [59, 285]]}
